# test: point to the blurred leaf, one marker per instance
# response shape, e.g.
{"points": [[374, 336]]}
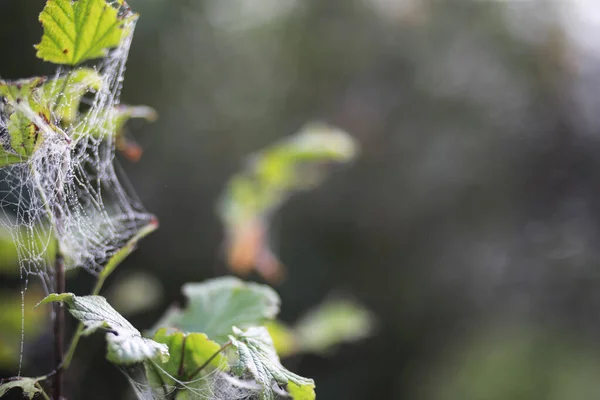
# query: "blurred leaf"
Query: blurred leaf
{"points": [[9, 258], [125, 344], [320, 330], [284, 338], [134, 293], [11, 315], [216, 305], [28, 385], [76, 31], [520, 364], [258, 357], [253, 195], [332, 323], [189, 353]]}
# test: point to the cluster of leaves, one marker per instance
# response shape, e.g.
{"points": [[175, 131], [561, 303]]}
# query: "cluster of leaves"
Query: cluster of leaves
{"points": [[36, 108], [227, 324]]}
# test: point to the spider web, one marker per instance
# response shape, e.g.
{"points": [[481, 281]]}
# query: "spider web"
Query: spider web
{"points": [[67, 195]]}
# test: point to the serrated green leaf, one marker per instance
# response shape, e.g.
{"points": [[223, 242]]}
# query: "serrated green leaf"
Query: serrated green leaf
{"points": [[76, 31], [252, 196], [257, 356], [125, 344], [63, 95], [28, 385], [216, 305]]}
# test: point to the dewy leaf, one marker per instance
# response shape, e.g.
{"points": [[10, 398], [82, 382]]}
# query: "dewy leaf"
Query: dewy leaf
{"points": [[23, 134], [28, 385], [272, 175], [63, 95], [258, 357], [21, 90], [125, 344], [189, 353], [332, 323], [218, 304], [76, 31], [20, 136]]}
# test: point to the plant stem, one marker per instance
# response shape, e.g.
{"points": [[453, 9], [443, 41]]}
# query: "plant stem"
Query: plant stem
{"points": [[75, 340], [44, 395], [59, 326]]}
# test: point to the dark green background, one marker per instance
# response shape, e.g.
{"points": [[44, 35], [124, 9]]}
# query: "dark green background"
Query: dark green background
{"points": [[469, 225]]}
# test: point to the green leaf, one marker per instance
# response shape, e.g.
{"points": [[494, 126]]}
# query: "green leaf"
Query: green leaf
{"points": [[332, 323], [284, 338], [125, 344], [189, 353], [30, 389], [7, 158], [216, 305], [257, 356], [63, 95], [252, 196], [76, 31], [24, 135], [299, 392]]}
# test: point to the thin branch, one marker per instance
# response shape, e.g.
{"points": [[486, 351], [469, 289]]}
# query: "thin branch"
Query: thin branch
{"points": [[44, 395]]}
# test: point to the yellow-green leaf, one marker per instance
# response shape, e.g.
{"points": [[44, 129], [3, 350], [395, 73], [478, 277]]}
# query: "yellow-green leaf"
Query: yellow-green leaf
{"points": [[20, 90], [301, 392], [76, 31], [189, 353]]}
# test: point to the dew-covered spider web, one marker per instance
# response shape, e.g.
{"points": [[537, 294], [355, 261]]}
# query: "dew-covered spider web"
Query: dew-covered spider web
{"points": [[214, 385], [66, 194]]}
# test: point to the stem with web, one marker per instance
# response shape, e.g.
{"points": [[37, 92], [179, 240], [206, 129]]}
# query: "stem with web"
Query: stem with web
{"points": [[59, 270], [75, 340], [59, 325]]}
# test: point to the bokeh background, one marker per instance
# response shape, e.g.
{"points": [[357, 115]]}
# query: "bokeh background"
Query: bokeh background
{"points": [[470, 225]]}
